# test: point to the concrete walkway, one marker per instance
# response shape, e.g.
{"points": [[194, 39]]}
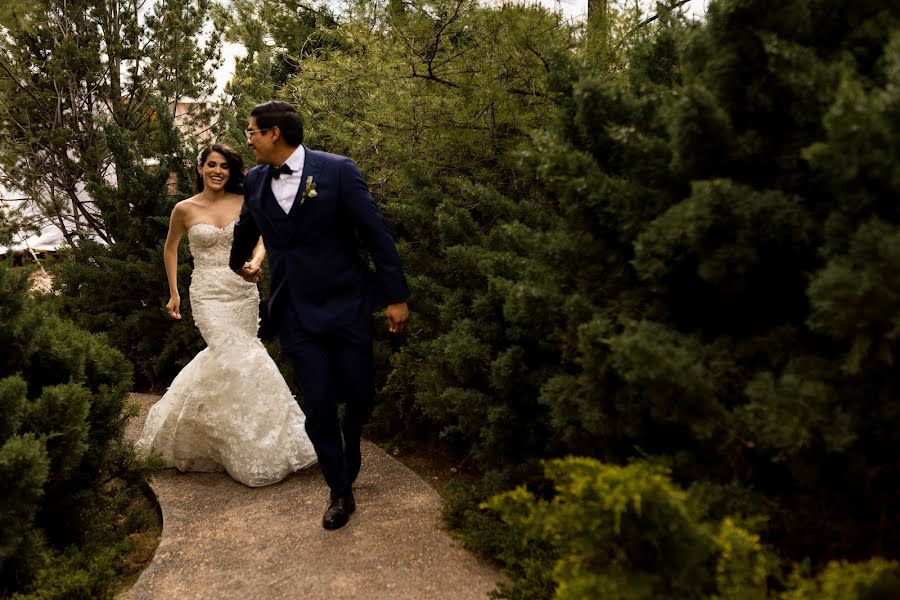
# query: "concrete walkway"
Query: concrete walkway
{"points": [[223, 540]]}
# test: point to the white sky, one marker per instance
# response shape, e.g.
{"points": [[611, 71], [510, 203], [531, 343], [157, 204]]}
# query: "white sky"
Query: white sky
{"points": [[572, 9], [578, 8]]}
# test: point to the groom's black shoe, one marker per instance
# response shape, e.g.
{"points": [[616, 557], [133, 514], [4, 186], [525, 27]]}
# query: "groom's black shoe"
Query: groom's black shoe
{"points": [[339, 511]]}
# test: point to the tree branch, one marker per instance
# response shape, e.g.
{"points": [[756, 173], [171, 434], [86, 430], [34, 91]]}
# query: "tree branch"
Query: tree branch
{"points": [[432, 77], [673, 6]]}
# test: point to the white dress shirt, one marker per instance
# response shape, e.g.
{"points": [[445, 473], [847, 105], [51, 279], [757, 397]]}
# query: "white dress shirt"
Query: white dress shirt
{"points": [[285, 187]]}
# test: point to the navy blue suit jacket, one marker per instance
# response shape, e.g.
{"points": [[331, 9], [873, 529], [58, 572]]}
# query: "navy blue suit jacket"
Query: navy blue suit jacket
{"points": [[314, 251]]}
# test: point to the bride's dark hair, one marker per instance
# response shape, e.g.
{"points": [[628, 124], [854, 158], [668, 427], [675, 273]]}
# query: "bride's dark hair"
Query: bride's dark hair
{"points": [[235, 183]]}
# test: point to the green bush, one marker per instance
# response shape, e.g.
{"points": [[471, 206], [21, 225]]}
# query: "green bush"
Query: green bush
{"points": [[876, 579], [62, 414], [680, 267], [629, 533], [23, 472], [527, 559]]}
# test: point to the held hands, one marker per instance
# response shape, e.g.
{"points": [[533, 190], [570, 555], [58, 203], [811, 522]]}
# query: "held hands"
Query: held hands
{"points": [[250, 272], [397, 316], [174, 307]]}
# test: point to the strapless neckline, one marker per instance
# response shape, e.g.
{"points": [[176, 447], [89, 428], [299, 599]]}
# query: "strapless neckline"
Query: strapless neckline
{"points": [[214, 226], [210, 245]]}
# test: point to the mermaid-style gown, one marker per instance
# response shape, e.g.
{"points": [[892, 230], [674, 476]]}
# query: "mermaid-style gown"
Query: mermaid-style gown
{"points": [[229, 408]]}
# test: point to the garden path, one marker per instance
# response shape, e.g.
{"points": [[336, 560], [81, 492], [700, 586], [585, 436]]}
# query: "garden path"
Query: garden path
{"points": [[223, 540]]}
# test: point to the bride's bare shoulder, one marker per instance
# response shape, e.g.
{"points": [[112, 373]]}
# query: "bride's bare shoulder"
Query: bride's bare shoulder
{"points": [[189, 202], [183, 212], [188, 205]]}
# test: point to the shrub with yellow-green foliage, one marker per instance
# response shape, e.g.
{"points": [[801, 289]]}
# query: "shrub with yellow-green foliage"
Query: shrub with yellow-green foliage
{"points": [[629, 533], [876, 579]]}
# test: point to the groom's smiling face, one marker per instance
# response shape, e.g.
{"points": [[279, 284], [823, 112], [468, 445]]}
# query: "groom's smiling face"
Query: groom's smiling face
{"points": [[261, 142]]}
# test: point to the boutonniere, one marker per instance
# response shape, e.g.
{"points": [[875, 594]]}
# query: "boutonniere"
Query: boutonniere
{"points": [[310, 191]]}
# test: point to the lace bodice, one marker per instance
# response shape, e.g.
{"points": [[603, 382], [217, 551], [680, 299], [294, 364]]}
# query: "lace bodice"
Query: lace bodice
{"points": [[210, 245], [225, 307]]}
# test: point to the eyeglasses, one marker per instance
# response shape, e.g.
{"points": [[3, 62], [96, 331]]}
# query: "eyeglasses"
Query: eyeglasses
{"points": [[250, 132]]}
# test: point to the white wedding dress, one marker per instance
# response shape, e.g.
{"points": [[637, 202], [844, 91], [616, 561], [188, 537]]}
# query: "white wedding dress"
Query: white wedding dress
{"points": [[229, 408]]}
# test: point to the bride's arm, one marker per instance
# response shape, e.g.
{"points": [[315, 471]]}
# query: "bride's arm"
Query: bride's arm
{"points": [[259, 254], [170, 258]]}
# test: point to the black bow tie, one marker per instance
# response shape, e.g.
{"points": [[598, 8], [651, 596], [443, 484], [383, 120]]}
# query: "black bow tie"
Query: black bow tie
{"points": [[276, 173]]}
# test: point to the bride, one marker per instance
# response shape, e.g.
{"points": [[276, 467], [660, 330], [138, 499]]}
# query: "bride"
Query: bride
{"points": [[229, 408]]}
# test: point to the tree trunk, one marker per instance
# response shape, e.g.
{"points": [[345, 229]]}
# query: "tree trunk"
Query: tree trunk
{"points": [[597, 9]]}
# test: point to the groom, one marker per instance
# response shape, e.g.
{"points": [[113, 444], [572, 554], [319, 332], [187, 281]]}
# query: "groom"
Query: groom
{"points": [[311, 209]]}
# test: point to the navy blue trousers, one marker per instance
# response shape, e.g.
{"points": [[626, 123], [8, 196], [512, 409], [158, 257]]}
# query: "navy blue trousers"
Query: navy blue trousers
{"points": [[332, 369]]}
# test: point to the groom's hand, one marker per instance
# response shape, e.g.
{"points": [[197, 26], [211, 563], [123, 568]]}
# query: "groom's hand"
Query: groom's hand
{"points": [[250, 272], [397, 316]]}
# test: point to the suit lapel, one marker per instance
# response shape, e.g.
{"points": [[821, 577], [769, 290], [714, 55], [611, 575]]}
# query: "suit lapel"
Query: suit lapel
{"points": [[263, 192], [312, 162], [280, 224]]}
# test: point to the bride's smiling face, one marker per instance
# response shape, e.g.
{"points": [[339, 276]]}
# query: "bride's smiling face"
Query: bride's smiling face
{"points": [[215, 172]]}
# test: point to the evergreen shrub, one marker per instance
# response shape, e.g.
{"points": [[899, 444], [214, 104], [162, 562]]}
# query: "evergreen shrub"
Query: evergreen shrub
{"points": [[66, 472], [629, 533]]}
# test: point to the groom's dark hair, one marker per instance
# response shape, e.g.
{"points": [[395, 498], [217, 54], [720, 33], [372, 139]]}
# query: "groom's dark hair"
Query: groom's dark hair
{"points": [[282, 115]]}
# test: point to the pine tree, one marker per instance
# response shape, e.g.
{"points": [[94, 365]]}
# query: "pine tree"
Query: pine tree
{"points": [[92, 138], [278, 36]]}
